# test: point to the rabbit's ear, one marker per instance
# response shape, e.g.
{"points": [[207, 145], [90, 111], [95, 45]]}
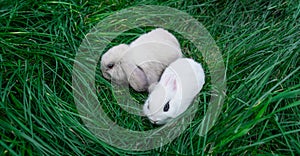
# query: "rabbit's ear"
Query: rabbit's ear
{"points": [[152, 86], [136, 77], [169, 81]]}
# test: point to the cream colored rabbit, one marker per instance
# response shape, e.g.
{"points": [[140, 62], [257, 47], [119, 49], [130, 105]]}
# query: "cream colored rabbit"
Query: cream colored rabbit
{"points": [[178, 86], [142, 62]]}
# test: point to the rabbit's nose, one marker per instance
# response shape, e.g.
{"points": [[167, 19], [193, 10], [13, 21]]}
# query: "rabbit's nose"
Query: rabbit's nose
{"points": [[154, 121]]}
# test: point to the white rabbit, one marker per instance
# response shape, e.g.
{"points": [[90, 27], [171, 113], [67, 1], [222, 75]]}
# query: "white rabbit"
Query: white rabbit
{"points": [[178, 86], [142, 62]]}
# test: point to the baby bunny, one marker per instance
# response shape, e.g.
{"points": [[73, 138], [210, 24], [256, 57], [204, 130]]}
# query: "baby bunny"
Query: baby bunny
{"points": [[178, 86], [141, 63]]}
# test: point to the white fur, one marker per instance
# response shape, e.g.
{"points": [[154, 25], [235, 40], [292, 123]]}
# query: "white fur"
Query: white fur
{"points": [[179, 84], [141, 63]]}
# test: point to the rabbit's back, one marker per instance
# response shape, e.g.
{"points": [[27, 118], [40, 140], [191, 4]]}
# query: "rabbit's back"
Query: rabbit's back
{"points": [[190, 76]]}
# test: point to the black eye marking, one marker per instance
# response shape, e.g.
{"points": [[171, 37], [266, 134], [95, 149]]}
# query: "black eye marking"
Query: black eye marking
{"points": [[110, 65], [148, 106], [167, 106]]}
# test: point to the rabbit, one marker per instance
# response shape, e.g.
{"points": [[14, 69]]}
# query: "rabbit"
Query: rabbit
{"points": [[142, 62], [181, 81]]}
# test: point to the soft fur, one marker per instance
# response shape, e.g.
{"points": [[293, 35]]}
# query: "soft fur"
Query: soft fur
{"points": [[142, 62], [178, 86]]}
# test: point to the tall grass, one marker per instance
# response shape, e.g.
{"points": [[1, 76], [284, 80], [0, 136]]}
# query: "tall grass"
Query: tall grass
{"points": [[259, 41]]}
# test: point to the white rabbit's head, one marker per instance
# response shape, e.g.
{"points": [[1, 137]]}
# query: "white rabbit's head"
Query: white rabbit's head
{"points": [[163, 101], [110, 63]]}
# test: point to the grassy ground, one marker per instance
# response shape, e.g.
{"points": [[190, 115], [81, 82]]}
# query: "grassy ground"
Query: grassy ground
{"points": [[259, 41]]}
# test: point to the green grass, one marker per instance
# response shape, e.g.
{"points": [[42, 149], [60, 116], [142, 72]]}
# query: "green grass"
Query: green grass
{"points": [[259, 41]]}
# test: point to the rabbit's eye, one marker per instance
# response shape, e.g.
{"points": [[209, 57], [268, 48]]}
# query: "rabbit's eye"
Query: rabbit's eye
{"points": [[166, 107], [147, 102], [111, 65]]}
